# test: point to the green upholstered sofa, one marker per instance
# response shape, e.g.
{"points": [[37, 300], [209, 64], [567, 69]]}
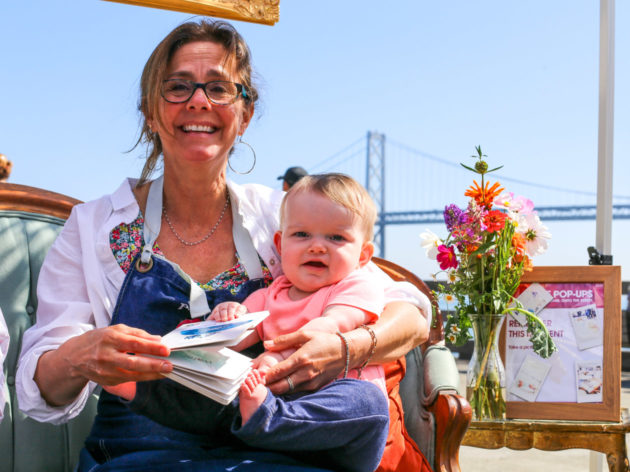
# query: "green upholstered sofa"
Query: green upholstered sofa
{"points": [[31, 218]]}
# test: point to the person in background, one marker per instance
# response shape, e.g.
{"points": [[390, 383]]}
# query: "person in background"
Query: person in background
{"points": [[5, 168], [4, 348], [291, 176], [129, 267]]}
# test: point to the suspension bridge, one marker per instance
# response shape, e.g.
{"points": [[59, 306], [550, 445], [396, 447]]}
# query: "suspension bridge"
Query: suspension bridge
{"points": [[390, 171]]}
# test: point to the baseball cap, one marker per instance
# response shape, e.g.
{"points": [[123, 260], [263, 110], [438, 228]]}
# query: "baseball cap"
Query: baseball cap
{"points": [[293, 174]]}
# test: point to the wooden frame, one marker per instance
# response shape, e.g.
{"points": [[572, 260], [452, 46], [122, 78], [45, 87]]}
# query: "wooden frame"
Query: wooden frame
{"points": [[254, 11], [16, 197], [609, 408]]}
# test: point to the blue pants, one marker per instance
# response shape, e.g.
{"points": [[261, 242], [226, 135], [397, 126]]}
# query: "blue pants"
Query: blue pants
{"points": [[344, 425]]}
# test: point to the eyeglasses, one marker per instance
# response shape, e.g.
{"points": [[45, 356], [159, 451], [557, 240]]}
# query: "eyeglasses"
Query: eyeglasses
{"points": [[219, 92]]}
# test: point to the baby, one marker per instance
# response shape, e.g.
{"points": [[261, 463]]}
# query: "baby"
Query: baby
{"points": [[326, 228]]}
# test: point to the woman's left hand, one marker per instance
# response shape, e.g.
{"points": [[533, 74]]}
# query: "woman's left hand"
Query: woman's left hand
{"points": [[319, 358]]}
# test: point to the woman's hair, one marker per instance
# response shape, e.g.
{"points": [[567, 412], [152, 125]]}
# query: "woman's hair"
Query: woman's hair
{"points": [[341, 189], [237, 58]]}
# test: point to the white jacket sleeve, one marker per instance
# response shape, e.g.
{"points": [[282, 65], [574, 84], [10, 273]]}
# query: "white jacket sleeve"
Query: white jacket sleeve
{"points": [[63, 312], [403, 292]]}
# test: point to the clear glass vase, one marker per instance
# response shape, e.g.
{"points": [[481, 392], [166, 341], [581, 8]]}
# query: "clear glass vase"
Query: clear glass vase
{"points": [[485, 379]]}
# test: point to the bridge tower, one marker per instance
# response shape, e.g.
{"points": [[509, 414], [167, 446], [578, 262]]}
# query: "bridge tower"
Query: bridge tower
{"points": [[375, 184]]}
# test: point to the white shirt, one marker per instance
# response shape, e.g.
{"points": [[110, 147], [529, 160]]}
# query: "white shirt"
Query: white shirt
{"points": [[4, 348], [80, 280]]}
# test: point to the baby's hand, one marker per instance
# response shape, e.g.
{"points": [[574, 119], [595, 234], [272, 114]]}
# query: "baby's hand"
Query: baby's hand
{"points": [[227, 311]]}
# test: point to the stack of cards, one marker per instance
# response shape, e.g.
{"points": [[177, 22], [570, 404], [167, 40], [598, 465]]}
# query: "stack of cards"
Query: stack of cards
{"points": [[202, 362]]}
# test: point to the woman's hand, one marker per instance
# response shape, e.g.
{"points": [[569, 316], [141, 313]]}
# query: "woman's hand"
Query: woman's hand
{"points": [[318, 359], [108, 356]]}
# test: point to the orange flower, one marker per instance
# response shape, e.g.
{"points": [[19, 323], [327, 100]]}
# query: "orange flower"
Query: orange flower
{"points": [[518, 243], [470, 248], [485, 195]]}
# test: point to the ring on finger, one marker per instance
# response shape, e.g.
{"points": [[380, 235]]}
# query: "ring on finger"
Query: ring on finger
{"points": [[290, 382]]}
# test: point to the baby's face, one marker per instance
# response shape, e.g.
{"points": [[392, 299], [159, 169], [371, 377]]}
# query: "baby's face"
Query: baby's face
{"points": [[321, 242]]}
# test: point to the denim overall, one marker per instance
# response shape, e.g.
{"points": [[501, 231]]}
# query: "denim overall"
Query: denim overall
{"points": [[156, 296]]}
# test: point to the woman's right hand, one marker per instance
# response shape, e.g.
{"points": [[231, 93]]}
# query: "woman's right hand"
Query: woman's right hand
{"points": [[107, 356]]}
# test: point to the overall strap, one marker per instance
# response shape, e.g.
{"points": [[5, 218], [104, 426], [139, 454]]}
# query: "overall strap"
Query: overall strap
{"points": [[244, 245], [152, 223]]}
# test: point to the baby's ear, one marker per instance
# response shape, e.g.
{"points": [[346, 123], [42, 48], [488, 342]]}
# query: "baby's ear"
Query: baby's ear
{"points": [[367, 251], [277, 241]]}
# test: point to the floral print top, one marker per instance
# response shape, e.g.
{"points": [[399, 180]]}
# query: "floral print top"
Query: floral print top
{"points": [[126, 241]]}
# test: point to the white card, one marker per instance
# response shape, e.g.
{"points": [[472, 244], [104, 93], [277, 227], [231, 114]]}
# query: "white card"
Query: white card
{"points": [[210, 332], [589, 376], [586, 326], [534, 298], [530, 377]]}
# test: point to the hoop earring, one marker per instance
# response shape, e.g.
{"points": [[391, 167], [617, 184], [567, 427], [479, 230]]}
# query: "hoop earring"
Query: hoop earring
{"points": [[240, 141]]}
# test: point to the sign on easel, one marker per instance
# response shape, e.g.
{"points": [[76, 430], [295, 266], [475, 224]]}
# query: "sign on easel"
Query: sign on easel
{"points": [[581, 308]]}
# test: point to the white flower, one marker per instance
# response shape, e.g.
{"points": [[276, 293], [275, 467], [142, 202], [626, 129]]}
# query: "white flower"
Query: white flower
{"points": [[430, 242], [454, 329], [451, 338], [448, 298], [452, 276], [536, 235]]}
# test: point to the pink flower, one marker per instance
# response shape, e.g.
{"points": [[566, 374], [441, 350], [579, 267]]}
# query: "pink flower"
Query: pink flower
{"points": [[446, 257], [517, 204]]}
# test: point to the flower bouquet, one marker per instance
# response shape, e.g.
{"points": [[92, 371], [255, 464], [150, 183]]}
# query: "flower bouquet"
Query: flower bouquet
{"points": [[489, 245]]}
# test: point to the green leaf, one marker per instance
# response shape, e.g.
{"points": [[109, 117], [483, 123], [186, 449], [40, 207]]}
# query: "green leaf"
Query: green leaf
{"points": [[492, 170], [469, 168], [540, 338]]}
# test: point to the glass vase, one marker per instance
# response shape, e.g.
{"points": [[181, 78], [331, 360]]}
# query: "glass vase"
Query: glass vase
{"points": [[485, 379]]}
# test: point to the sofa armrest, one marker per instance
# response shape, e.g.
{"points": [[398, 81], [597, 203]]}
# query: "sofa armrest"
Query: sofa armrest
{"points": [[440, 372], [451, 411]]}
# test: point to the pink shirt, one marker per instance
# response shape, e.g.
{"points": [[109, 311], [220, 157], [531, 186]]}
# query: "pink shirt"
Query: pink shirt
{"points": [[360, 289]]}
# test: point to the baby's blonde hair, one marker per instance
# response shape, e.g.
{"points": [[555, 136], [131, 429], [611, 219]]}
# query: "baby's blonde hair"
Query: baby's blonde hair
{"points": [[341, 189]]}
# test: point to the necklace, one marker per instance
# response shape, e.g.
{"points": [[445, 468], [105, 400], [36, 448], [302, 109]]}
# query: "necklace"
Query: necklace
{"points": [[214, 228]]}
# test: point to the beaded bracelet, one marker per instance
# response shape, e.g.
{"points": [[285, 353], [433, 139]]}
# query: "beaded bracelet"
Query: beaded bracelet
{"points": [[372, 350], [345, 344]]}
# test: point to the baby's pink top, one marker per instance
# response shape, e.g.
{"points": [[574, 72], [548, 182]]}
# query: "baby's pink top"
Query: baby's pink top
{"points": [[359, 289]]}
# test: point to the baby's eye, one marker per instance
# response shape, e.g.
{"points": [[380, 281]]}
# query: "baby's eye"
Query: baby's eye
{"points": [[300, 234], [337, 237]]}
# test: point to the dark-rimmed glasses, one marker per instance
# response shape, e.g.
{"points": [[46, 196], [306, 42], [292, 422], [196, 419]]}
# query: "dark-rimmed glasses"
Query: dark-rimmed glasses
{"points": [[219, 92]]}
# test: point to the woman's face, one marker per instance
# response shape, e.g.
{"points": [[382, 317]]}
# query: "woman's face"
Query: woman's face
{"points": [[199, 131]]}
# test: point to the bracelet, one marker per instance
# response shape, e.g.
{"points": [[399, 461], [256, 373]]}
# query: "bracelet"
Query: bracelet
{"points": [[372, 350], [347, 348]]}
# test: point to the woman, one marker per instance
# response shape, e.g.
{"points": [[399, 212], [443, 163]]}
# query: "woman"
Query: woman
{"points": [[197, 99]]}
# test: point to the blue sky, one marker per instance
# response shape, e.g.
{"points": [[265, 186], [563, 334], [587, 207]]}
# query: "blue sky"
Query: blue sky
{"points": [[519, 78]]}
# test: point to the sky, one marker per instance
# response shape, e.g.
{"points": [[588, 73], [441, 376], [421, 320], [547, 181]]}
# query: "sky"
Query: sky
{"points": [[520, 78]]}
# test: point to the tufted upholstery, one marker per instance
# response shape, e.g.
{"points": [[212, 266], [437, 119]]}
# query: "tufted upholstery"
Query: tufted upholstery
{"points": [[30, 219], [25, 444]]}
